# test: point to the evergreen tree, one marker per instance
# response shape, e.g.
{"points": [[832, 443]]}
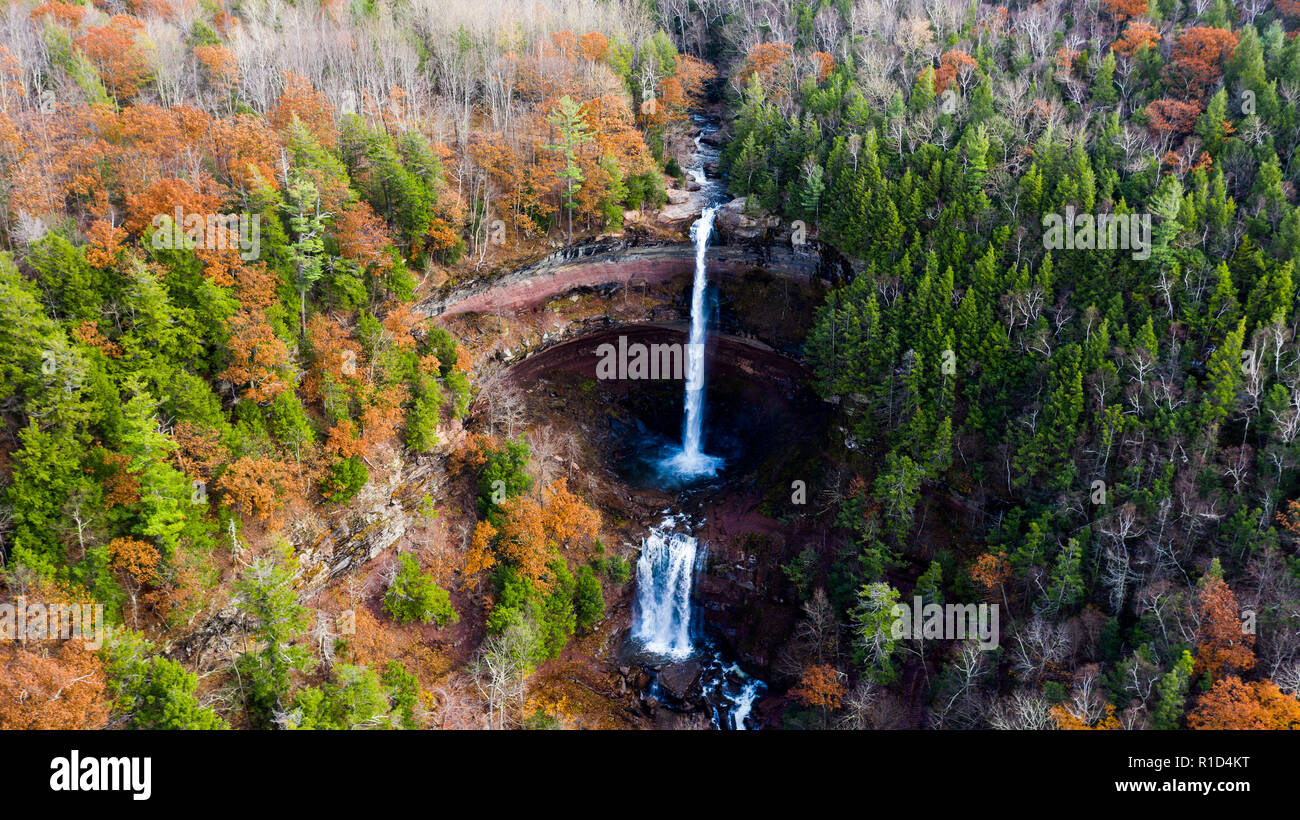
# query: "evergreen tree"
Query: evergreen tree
{"points": [[1171, 694], [568, 120]]}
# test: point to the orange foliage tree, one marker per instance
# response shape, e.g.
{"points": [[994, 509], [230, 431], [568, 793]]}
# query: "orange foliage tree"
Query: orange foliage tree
{"points": [[480, 556], [1137, 35], [1196, 63], [569, 521], [362, 235], [115, 51], [382, 416], [1069, 721], [766, 58], [336, 358], [66, 14], [1121, 10], [953, 65], [257, 486], [245, 150], [1172, 116], [991, 570], [824, 63], [199, 451], [1221, 643], [134, 558], [820, 687], [219, 67], [299, 99], [530, 532], [593, 46], [522, 539], [1232, 704], [162, 197], [62, 688], [258, 358]]}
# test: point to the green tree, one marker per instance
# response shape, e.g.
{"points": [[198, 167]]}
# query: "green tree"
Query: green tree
{"points": [[567, 118], [588, 598], [1171, 694], [413, 596], [266, 597], [307, 223], [355, 699], [403, 693], [151, 691], [504, 475], [1066, 587], [873, 626], [164, 699], [344, 479]]}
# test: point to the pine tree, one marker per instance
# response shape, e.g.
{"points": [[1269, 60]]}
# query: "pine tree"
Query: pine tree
{"points": [[1210, 126], [923, 94], [266, 596], [567, 118], [1066, 587], [810, 189], [307, 223], [1045, 457], [930, 584], [1171, 694], [873, 619], [1103, 82], [1222, 378]]}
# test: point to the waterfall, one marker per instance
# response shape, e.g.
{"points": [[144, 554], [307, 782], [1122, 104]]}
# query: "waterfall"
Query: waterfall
{"points": [[745, 704], [691, 461], [667, 565], [664, 574], [692, 426], [742, 702], [663, 578]]}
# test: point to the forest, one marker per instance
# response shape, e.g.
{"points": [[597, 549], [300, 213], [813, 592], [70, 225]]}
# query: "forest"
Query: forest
{"points": [[222, 221]]}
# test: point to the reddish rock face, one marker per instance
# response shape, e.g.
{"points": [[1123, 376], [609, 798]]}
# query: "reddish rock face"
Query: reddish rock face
{"points": [[614, 263], [747, 357], [534, 290]]}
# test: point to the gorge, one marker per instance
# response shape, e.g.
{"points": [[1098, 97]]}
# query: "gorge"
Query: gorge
{"points": [[692, 459]]}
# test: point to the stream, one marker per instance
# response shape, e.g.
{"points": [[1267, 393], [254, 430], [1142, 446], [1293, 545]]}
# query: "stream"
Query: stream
{"points": [[668, 632]]}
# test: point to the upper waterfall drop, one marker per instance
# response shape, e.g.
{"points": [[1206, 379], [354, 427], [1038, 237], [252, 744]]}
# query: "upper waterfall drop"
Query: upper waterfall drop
{"points": [[691, 461]]}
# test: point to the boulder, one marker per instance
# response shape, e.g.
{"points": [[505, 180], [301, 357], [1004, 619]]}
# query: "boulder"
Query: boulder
{"points": [[678, 213], [717, 139], [678, 679], [733, 219], [678, 196]]}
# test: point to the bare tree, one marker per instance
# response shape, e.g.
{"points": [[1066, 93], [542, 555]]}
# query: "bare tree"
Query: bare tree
{"points": [[1022, 710], [504, 664], [1038, 644]]}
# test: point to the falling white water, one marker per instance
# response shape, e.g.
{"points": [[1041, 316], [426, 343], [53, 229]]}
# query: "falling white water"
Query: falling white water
{"points": [[691, 461], [663, 578], [743, 701]]}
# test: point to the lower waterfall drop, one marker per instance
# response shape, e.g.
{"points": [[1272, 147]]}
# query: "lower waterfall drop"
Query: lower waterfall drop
{"points": [[663, 577]]}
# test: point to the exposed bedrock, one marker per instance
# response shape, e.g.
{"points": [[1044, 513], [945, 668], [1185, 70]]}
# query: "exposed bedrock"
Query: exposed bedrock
{"points": [[625, 264]]}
